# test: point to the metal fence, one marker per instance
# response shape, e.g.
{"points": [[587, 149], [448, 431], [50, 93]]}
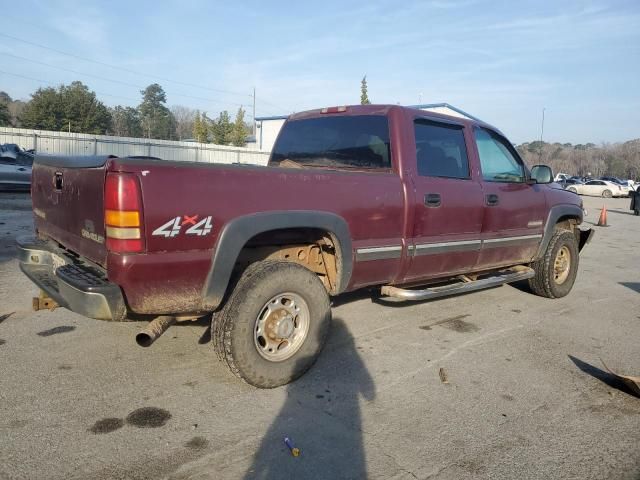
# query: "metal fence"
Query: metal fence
{"points": [[63, 143]]}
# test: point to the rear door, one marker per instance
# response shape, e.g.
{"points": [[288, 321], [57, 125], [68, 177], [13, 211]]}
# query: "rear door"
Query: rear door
{"points": [[448, 203], [514, 211]]}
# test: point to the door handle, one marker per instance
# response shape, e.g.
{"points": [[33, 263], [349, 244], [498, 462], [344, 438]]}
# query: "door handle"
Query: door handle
{"points": [[22, 169], [432, 200], [492, 199]]}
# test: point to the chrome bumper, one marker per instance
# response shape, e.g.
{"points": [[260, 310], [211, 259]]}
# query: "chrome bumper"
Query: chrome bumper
{"points": [[76, 286]]}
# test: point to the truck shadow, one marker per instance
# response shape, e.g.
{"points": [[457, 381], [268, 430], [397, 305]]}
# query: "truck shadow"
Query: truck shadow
{"points": [[635, 286], [321, 416]]}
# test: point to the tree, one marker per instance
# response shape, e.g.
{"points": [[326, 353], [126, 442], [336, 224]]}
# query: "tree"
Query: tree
{"points": [[4, 114], [72, 107], [83, 112], [125, 122], [157, 120], [184, 118], [364, 97], [239, 130], [201, 128], [221, 129]]}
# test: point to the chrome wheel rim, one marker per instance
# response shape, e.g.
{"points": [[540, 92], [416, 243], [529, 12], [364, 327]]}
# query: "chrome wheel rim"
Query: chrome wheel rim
{"points": [[562, 265], [281, 327]]}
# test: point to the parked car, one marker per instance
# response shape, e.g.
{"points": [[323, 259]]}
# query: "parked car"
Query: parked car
{"points": [[598, 188], [568, 182], [15, 172], [416, 204], [9, 150], [623, 183]]}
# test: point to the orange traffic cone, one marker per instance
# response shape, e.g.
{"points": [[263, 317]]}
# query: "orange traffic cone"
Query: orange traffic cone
{"points": [[602, 221]]}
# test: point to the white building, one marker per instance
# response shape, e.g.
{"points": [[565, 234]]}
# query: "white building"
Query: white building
{"points": [[267, 128]]}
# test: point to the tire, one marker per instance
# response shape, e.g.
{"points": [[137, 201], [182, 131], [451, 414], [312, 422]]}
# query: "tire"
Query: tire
{"points": [[272, 299], [572, 190], [607, 194], [547, 282]]}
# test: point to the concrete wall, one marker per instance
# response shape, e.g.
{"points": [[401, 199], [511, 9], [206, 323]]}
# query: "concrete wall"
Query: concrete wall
{"points": [[64, 143]]}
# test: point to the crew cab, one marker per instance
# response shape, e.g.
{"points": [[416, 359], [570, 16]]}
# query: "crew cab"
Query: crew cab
{"points": [[413, 204]]}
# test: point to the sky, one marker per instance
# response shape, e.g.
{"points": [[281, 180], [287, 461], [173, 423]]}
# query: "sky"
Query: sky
{"points": [[501, 61]]}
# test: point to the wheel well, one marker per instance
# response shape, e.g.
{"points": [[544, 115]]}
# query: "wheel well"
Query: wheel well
{"points": [[567, 222], [315, 249]]}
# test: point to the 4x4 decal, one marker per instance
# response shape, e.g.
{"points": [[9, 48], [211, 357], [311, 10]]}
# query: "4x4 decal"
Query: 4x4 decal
{"points": [[174, 226]]}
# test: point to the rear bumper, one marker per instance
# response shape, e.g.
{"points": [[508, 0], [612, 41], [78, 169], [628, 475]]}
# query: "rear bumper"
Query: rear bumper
{"points": [[77, 286]]}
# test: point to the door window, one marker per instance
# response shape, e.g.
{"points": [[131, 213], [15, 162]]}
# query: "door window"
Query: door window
{"points": [[440, 150], [498, 160]]}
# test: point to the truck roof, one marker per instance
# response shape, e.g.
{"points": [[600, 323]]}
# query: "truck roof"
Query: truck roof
{"points": [[385, 109]]}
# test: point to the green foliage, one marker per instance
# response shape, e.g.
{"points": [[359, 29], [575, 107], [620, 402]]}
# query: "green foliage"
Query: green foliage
{"points": [[125, 122], [239, 130], [221, 129], [157, 120], [4, 114], [70, 106], [364, 96], [201, 128]]}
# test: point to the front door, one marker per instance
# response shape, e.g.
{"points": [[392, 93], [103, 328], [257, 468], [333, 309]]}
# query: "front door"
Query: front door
{"points": [[514, 211], [448, 203]]}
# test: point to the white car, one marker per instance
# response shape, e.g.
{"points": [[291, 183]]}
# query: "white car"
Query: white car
{"points": [[600, 188]]}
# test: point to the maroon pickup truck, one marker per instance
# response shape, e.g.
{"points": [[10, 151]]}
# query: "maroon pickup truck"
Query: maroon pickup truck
{"points": [[416, 204]]}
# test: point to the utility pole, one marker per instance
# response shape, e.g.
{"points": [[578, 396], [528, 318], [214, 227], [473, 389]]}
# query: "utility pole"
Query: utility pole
{"points": [[254, 111], [541, 134]]}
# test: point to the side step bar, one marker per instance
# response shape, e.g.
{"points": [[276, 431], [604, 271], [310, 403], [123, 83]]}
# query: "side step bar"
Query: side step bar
{"points": [[493, 279]]}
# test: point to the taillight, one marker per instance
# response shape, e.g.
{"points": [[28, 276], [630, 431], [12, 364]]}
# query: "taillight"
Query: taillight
{"points": [[123, 213]]}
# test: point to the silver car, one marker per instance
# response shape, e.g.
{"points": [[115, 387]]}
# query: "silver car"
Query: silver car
{"points": [[15, 172]]}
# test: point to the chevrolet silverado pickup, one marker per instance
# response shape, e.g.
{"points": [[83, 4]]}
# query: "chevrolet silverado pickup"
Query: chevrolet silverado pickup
{"points": [[413, 204]]}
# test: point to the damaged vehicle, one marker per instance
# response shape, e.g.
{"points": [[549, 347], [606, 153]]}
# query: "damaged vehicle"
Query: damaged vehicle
{"points": [[413, 204]]}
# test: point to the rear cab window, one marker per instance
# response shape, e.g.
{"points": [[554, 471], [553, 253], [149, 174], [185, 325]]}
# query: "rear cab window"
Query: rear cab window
{"points": [[350, 142], [441, 150], [499, 161]]}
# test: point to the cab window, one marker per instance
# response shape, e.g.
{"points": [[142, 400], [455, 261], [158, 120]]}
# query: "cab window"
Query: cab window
{"points": [[498, 160], [440, 150]]}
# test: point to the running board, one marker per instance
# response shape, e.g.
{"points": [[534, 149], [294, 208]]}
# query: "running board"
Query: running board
{"points": [[493, 279]]}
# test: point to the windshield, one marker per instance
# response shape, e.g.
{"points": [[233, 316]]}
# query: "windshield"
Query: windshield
{"points": [[358, 142]]}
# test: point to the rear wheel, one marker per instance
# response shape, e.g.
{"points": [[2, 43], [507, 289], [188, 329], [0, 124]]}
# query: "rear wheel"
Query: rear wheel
{"points": [[556, 271], [607, 194], [274, 324]]}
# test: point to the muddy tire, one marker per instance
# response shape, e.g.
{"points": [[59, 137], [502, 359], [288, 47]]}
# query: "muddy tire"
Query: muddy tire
{"points": [[607, 194], [273, 325], [557, 269]]}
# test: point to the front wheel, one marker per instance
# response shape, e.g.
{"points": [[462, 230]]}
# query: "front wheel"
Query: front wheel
{"points": [[556, 271], [607, 194], [571, 189], [274, 324]]}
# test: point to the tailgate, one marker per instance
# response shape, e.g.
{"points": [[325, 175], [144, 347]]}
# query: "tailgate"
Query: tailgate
{"points": [[68, 196]]}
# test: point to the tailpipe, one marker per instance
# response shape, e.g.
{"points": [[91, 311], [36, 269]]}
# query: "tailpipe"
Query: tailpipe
{"points": [[152, 331]]}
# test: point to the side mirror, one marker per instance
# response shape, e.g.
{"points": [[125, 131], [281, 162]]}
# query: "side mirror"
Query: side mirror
{"points": [[541, 174]]}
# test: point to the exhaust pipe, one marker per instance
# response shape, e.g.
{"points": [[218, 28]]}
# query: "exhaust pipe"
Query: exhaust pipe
{"points": [[152, 331]]}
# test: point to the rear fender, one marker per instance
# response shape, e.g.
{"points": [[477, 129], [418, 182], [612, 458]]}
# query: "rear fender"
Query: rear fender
{"points": [[238, 232]]}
